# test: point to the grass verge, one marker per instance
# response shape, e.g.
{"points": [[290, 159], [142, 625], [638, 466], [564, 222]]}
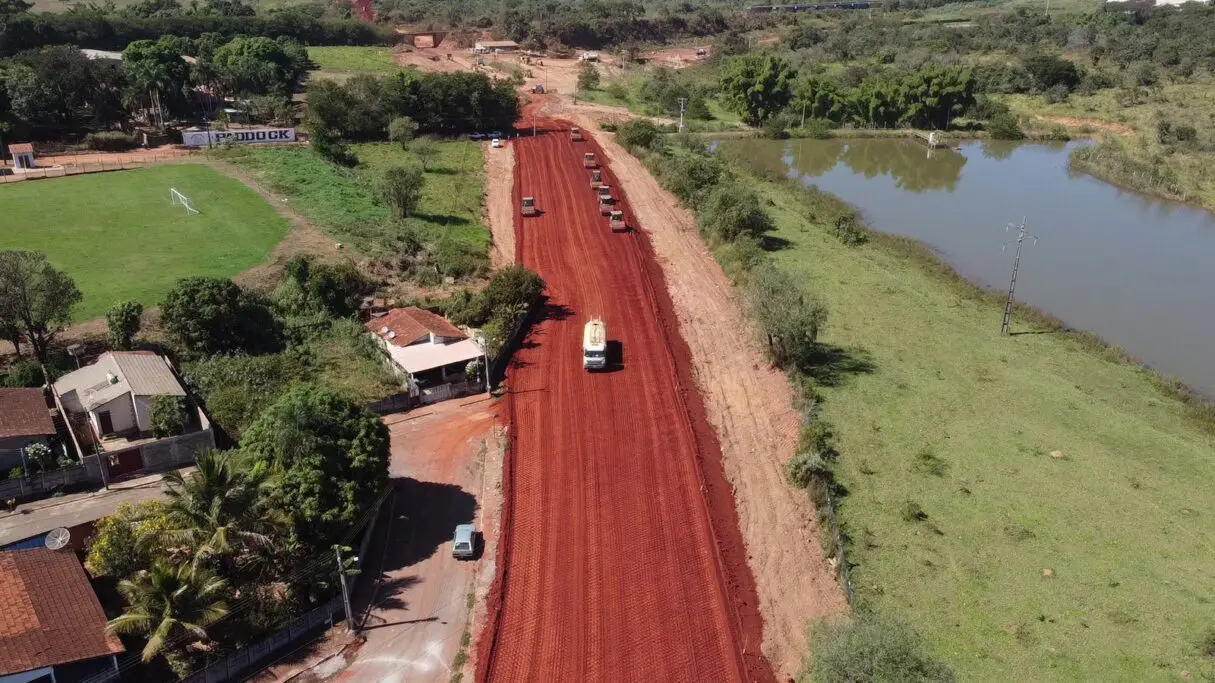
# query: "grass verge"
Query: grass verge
{"points": [[119, 237], [343, 202], [1054, 490]]}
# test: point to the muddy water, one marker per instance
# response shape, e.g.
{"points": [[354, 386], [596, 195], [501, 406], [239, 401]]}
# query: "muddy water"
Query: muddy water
{"points": [[1137, 271]]}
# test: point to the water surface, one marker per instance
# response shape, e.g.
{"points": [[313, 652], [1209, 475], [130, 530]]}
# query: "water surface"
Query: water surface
{"points": [[1137, 271]]}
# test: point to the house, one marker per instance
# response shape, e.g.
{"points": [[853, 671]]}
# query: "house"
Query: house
{"points": [[23, 155], [496, 46], [24, 420], [429, 352], [116, 391], [52, 627]]}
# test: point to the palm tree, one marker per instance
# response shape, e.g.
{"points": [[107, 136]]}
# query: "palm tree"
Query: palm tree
{"points": [[219, 511], [170, 606]]}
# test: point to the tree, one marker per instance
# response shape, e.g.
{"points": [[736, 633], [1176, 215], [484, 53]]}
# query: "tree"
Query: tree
{"points": [[401, 188], [757, 87], [260, 65], [789, 318], [219, 511], [35, 298], [168, 416], [402, 130], [588, 77], [122, 324], [327, 454], [867, 648], [1049, 70], [157, 69], [169, 606], [426, 150], [336, 289], [208, 315]]}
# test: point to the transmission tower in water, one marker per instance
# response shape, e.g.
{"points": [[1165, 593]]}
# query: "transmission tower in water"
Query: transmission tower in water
{"points": [[1022, 233]]}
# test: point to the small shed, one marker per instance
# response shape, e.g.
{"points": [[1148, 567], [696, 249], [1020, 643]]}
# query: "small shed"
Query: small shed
{"points": [[23, 154], [496, 46]]}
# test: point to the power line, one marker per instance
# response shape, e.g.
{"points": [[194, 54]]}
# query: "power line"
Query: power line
{"points": [[1012, 284]]}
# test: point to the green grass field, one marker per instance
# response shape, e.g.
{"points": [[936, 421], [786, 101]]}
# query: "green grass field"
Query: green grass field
{"points": [[119, 237], [348, 60], [343, 201], [933, 407]]}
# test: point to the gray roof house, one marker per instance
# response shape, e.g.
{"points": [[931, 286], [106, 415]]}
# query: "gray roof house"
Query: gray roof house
{"points": [[115, 392]]}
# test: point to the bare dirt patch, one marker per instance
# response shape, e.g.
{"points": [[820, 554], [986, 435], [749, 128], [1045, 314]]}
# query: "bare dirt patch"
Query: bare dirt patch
{"points": [[1096, 124], [499, 208], [750, 406]]}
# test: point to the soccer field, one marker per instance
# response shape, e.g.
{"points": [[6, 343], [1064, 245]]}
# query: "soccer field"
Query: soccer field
{"points": [[119, 236]]}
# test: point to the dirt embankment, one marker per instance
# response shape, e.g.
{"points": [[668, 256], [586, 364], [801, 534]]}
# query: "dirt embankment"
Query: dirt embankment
{"points": [[499, 207], [1095, 124], [750, 405]]}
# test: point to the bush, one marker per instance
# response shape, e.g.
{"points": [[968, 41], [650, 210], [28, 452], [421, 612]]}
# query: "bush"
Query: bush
{"points": [[1004, 126], [637, 134], [333, 150], [122, 324], [16, 473], [777, 127], [168, 416], [110, 141], [512, 287], [867, 648], [819, 129], [732, 212], [39, 458], [1056, 94], [25, 374], [688, 175], [128, 540], [912, 512], [789, 318], [848, 232], [333, 289], [805, 467]]}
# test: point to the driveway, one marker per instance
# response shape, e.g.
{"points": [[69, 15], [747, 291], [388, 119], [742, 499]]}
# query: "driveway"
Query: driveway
{"points": [[413, 600]]}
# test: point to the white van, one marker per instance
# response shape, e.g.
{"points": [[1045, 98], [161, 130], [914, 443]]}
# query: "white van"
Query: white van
{"points": [[594, 345]]}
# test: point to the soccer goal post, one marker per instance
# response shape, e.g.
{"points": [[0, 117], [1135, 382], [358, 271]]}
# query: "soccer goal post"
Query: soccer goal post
{"points": [[179, 198]]}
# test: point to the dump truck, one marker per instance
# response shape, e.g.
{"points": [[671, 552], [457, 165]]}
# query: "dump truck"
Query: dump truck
{"points": [[616, 221], [529, 206], [606, 202], [538, 89], [588, 160], [594, 345], [576, 134], [596, 180]]}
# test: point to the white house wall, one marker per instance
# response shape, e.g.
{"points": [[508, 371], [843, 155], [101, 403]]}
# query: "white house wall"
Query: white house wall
{"points": [[143, 413], [122, 414]]}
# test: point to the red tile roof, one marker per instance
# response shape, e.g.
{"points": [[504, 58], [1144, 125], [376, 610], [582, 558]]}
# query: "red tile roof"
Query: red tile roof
{"points": [[23, 412], [21, 148], [408, 325], [48, 612]]}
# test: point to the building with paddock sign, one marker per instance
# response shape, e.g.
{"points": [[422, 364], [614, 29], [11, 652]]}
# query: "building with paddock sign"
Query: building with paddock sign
{"points": [[210, 138]]}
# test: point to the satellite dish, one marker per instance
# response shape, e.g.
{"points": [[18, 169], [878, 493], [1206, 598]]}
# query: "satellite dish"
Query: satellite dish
{"points": [[58, 539]]}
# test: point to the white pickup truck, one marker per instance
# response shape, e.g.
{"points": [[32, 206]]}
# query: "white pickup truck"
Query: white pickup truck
{"points": [[594, 345]]}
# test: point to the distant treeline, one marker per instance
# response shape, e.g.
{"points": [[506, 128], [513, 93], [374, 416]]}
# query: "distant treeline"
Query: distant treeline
{"points": [[114, 31]]}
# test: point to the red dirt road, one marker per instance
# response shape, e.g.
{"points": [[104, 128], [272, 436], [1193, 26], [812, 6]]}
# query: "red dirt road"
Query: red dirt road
{"points": [[621, 557]]}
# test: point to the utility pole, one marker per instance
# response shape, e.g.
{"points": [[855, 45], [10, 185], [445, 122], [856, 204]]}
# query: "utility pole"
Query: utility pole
{"points": [[1012, 284], [337, 549], [683, 101]]}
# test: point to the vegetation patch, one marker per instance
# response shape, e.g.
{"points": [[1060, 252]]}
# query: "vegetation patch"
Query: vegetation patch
{"points": [[119, 236], [353, 59]]}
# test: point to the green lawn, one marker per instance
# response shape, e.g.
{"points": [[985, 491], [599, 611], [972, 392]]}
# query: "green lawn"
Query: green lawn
{"points": [[119, 237], [346, 59], [933, 407], [344, 203]]}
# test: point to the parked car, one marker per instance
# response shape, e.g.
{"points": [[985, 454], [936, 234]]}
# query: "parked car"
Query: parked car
{"points": [[464, 542], [476, 136], [495, 143], [496, 134]]}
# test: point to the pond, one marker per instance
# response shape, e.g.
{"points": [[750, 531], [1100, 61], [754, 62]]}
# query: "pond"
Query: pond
{"points": [[1137, 271]]}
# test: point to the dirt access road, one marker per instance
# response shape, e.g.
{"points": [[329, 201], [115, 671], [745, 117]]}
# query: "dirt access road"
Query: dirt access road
{"points": [[621, 557], [415, 611]]}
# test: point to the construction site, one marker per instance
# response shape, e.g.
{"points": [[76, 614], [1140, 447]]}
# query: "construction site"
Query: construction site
{"points": [[620, 549]]}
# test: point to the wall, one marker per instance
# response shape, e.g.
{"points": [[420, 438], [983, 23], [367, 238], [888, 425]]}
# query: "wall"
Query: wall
{"points": [[122, 414], [143, 412], [176, 451], [10, 451]]}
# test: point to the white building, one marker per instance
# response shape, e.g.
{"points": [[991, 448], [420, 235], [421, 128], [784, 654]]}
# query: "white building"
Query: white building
{"points": [[429, 352], [116, 391]]}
